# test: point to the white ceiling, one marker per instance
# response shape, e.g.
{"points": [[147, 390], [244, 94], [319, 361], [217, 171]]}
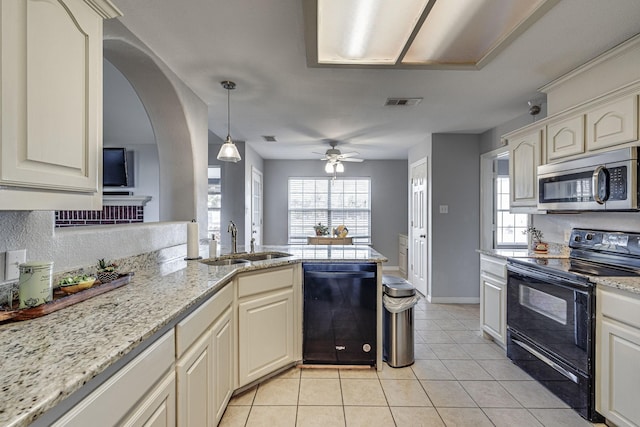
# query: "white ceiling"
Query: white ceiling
{"points": [[260, 45]]}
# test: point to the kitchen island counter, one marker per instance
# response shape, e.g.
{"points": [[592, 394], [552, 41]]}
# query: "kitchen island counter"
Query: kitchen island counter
{"points": [[46, 360]]}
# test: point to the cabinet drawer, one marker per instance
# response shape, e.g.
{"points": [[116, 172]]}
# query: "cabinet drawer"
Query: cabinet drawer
{"points": [[622, 306], [194, 325], [251, 284], [494, 266]]}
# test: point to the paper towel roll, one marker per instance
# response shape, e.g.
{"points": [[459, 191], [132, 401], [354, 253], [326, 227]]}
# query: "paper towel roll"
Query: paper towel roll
{"points": [[193, 244]]}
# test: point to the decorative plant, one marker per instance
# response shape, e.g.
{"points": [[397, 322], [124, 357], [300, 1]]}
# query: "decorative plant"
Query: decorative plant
{"points": [[107, 271], [321, 230], [536, 235]]}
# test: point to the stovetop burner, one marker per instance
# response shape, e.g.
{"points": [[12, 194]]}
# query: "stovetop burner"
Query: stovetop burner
{"points": [[576, 266]]}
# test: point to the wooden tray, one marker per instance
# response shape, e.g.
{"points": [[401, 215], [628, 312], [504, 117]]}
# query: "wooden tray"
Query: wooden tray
{"points": [[62, 300]]}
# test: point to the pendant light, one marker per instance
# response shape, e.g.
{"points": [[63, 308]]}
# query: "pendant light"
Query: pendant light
{"points": [[229, 152]]}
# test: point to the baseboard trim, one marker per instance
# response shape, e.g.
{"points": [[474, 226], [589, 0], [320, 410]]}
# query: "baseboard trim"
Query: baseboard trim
{"points": [[390, 268], [453, 300]]}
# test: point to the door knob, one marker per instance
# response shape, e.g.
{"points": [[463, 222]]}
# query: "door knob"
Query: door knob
{"points": [[422, 236]]}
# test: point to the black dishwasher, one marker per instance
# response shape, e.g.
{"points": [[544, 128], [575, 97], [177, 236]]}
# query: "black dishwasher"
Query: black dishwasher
{"points": [[339, 313]]}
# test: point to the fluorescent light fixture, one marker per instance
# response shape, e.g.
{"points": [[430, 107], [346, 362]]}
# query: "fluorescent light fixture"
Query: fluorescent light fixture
{"points": [[424, 33], [464, 31], [365, 31]]}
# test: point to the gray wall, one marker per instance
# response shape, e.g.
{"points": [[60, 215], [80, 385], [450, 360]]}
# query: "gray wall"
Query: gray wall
{"points": [[455, 235], [388, 199]]}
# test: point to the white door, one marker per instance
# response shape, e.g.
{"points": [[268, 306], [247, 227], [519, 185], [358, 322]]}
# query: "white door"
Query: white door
{"points": [[418, 245], [256, 205]]}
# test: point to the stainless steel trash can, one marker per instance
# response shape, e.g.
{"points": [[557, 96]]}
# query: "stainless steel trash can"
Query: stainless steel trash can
{"points": [[398, 326]]}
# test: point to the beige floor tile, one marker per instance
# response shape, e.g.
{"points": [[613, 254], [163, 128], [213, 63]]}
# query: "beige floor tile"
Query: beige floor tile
{"points": [[532, 394], [426, 325], [245, 398], [484, 351], [450, 325], [290, 374], [422, 351], [277, 392], [357, 392], [435, 315], [504, 370], [466, 370], [405, 393], [368, 416], [416, 417], [320, 391], [471, 325], [448, 394], [464, 417], [435, 337], [431, 370], [507, 417], [449, 351], [270, 416], [320, 416], [490, 394], [559, 417], [235, 416], [359, 373], [389, 373], [468, 337], [319, 373]]}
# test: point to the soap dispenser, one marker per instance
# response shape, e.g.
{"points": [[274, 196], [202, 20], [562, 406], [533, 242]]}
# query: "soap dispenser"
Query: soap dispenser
{"points": [[213, 247]]}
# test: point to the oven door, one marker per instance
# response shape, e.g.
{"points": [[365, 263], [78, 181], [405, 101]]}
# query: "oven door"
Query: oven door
{"points": [[552, 312]]}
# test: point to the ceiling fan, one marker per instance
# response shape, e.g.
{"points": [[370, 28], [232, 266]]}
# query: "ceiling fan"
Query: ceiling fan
{"points": [[333, 155]]}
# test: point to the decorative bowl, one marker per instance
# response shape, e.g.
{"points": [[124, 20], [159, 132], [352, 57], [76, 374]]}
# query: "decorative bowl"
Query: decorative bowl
{"points": [[77, 287]]}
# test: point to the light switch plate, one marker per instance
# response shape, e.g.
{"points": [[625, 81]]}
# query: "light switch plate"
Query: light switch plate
{"points": [[444, 209], [11, 263]]}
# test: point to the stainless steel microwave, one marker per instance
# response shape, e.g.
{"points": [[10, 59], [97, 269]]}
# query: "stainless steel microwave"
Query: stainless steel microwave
{"points": [[602, 182]]}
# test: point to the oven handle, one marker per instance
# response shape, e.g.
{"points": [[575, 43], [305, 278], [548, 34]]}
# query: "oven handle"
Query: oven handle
{"points": [[546, 360]]}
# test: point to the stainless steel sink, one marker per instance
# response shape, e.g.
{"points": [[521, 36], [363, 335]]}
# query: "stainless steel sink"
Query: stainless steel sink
{"points": [[225, 261], [261, 256]]}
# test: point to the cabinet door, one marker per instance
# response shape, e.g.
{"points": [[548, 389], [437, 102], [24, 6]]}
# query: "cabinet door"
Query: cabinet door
{"points": [[158, 408], [619, 373], [51, 95], [493, 308], [613, 123], [195, 384], [565, 138], [222, 335], [266, 334], [524, 159]]}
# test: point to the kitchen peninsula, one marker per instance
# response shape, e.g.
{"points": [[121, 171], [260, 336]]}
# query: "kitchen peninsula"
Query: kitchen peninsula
{"points": [[54, 362]]}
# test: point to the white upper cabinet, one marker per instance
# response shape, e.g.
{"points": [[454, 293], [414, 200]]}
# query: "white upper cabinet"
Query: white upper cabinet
{"points": [[524, 159], [565, 137], [613, 123], [51, 121]]}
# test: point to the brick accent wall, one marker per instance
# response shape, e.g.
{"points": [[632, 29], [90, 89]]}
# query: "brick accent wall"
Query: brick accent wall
{"points": [[108, 215]]}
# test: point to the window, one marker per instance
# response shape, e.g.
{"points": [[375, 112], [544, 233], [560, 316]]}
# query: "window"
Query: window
{"points": [[509, 226], [331, 202], [214, 201]]}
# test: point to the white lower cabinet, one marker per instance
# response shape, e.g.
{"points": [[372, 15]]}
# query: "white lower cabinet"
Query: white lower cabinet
{"points": [[204, 369], [131, 393], [493, 298], [266, 323], [618, 356]]}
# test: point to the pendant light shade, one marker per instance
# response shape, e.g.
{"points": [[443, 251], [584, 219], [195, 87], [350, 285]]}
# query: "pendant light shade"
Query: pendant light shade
{"points": [[229, 152]]}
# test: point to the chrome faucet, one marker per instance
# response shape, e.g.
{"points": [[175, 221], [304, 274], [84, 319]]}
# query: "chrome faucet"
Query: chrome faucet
{"points": [[234, 234]]}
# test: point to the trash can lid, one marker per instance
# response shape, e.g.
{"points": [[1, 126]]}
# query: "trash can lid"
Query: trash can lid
{"points": [[397, 287]]}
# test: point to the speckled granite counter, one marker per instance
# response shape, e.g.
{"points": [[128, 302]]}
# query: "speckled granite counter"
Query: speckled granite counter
{"points": [[630, 284], [554, 252], [45, 360]]}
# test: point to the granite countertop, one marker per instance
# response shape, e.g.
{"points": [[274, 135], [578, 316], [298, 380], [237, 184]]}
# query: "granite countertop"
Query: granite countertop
{"points": [[629, 284], [45, 360], [522, 253]]}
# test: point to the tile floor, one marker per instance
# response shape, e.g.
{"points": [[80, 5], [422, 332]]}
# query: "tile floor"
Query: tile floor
{"points": [[458, 379]]}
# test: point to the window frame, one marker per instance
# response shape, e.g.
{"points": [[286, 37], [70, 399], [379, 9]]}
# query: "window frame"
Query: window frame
{"points": [[326, 213], [211, 229]]}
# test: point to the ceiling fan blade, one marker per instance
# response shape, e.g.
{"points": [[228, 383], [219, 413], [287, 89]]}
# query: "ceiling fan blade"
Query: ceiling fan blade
{"points": [[349, 154], [351, 160]]}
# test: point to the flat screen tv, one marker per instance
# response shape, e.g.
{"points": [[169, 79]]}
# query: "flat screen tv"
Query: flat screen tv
{"points": [[114, 167]]}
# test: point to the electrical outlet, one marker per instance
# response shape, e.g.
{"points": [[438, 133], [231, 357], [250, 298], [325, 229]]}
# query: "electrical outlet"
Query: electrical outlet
{"points": [[11, 262], [567, 235], [444, 209]]}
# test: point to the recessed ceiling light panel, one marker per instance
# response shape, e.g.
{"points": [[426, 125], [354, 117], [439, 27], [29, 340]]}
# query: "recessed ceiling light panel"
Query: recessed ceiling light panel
{"points": [[365, 31]]}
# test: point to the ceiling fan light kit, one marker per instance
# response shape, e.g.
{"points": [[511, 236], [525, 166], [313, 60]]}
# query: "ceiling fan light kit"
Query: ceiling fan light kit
{"points": [[229, 152]]}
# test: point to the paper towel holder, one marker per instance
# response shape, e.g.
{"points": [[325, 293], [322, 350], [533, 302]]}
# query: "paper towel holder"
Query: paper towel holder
{"points": [[193, 238]]}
